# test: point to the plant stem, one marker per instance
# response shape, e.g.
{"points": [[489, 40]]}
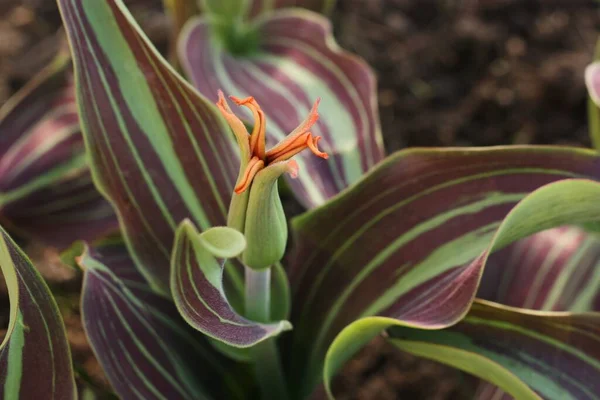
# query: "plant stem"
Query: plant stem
{"points": [[258, 294], [267, 364]]}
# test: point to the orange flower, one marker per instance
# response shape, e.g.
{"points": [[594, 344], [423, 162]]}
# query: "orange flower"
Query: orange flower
{"points": [[252, 146]]}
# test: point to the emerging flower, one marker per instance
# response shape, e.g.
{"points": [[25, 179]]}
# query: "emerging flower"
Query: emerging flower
{"points": [[254, 155], [258, 212]]}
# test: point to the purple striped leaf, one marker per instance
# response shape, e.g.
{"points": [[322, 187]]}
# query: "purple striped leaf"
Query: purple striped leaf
{"points": [[144, 346], [159, 151], [196, 285], [556, 354], [554, 270], [295, 61], [35, 360], [46, 190], [402, 242]]}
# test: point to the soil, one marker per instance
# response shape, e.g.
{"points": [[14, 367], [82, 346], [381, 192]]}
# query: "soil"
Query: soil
{"points": [[450, 73]]}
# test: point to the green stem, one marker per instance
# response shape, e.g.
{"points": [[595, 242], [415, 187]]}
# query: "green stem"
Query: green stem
{"points": [[265, 355]]}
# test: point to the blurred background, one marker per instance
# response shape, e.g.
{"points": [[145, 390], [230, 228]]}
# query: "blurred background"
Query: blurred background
{"points": [[450, 73]]}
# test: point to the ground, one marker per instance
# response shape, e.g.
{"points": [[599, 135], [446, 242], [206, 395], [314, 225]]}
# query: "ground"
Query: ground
{"points": [[450, 73]]}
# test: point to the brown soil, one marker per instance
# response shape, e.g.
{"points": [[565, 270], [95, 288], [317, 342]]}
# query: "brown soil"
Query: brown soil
{"points": [[470, 72]]}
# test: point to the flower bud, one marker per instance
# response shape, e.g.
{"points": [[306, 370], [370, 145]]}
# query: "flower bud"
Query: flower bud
{"points": [[265, 227]]}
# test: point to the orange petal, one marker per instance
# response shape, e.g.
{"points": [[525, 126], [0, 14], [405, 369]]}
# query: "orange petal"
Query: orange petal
{"points": [[299, 139], [312, 145], [253, 167], [289, 148], [309, 121], [257, 137], [236, 125]]}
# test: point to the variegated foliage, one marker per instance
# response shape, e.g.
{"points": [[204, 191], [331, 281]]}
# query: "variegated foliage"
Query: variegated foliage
{"points": [[46, 191], [405, 246]]}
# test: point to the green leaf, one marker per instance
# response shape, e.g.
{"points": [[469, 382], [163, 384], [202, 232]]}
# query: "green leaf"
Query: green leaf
{"points": [[35, 360], [280, 293], [221, 241], [143, 345], [196, 277], [471, 362], [556, 354], [401, 242], [159, 150], [286, 61]]}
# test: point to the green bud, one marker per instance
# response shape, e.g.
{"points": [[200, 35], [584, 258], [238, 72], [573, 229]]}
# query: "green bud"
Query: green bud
{"points": [[236, 218], [265, 227]]}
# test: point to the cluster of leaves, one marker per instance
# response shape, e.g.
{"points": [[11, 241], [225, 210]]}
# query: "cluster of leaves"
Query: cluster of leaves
{"points": [[437, 248]]}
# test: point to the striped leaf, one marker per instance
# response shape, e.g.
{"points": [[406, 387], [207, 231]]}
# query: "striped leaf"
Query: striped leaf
{"points": [[196, 284], [35, 361], [159, 151], [402, 241], [555, 354], [554, 204], [289, 60], [144, 346], [46, 191], [554, 270]]}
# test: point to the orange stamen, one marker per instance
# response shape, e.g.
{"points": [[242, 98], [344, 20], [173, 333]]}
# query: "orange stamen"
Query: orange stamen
{"points": [[258, 135], [298, 140], [309, 121], [312, 145], [289, 148], [253, 167], [253, 145]]}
